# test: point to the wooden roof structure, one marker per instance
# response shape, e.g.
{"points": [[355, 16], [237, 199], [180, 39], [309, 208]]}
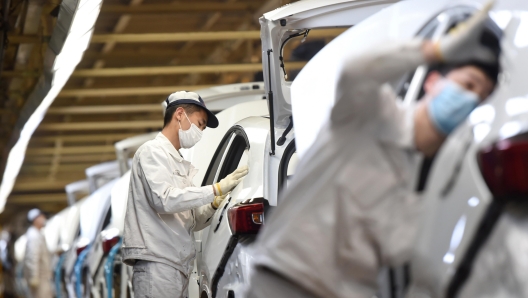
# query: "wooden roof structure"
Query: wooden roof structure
{"points": [[141, 51]]}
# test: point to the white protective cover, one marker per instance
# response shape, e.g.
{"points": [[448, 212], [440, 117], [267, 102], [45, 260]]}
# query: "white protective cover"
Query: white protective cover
{"points": [[93, 210], [52, 230], [98, 175], [119, 198], [20, 248], [69, 226]]}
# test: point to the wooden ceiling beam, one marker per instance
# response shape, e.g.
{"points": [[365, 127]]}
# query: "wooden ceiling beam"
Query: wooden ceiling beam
{"points": [[37, 199], [178, 7], [70, 150], [106, 109], [138, 91], [83, 138], [171, 70], [111, 125], [71, 159], [41, 184], [174, 37], [76, 167]]}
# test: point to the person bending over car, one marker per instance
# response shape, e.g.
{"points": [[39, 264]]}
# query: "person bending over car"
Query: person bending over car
{"points": [[164, 207], [351, 208]]}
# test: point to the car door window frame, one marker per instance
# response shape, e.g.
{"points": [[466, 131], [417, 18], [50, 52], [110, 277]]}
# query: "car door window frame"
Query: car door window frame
{"points": [[223, 150]]}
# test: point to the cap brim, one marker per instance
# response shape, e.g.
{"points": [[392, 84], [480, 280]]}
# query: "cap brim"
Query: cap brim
{"points": [[212, 121]]}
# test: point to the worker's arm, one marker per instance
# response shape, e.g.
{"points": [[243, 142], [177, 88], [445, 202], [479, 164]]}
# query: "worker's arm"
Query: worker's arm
{"points": [[165, 197], [202, 216], [362, 76]]}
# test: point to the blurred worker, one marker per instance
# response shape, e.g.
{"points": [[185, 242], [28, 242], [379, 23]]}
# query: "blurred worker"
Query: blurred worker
{"points": [[351, 208], [37, 260], [164, 207]]}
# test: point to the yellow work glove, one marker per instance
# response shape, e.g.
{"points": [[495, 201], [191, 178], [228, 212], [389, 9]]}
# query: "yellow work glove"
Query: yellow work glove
{"points": [[34, 282], [462, 43], [229, 182], [218, 201]]}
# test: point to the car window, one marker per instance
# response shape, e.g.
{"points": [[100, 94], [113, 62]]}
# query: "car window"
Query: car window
{"points": [[231, 153], [236, 150]]}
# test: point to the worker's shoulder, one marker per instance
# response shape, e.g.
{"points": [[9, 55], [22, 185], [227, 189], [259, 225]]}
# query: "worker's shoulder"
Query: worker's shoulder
{"points": [[149, 147]]}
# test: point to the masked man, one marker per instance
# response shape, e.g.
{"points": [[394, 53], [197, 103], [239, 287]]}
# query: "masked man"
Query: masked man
{"points": [[351, 208], [164, 207], [37, 260]]}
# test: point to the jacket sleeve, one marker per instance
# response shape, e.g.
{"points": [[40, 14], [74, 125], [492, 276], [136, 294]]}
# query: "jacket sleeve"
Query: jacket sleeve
{"points": [[361, 78], [32, 255], [202, 216], [165, 197]]}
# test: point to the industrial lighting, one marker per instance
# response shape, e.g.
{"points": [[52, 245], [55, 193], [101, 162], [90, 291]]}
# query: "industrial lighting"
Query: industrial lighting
{"points": [[75, 22]]}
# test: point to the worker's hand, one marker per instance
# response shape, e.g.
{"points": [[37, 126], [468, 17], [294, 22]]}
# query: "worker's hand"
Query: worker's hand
{"points": [[229, 182], [462, 43], [34, 282], [218, 201]]}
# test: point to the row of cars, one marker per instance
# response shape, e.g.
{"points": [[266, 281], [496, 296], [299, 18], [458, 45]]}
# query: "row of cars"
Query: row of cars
{"points": [[482, 164]]}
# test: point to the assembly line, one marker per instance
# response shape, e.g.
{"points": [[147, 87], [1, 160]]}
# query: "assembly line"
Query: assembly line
{"points": [[394, 164]]}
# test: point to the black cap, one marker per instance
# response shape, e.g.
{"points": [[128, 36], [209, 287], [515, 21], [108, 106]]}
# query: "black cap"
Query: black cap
{"points": [[185, 97]]}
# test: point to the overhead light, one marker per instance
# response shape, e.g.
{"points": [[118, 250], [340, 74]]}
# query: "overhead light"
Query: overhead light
{"points": [[69, 40]]}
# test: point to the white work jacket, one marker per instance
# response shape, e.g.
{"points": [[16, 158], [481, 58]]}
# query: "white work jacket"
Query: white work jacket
{"points": [[37, 263], [351, 208], [164, 207]]}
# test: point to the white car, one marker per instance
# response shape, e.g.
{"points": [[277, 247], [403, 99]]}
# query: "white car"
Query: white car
{"points": [[91, 213], [473, 234], [21, 285], [224, 257], [68, 231], [236, 102]]}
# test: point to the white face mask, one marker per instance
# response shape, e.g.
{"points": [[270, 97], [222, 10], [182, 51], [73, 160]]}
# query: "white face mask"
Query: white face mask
{"points": [[191, 136]]}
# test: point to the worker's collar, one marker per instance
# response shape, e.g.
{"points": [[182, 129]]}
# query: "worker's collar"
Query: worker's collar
{"points": [[167, 144]]}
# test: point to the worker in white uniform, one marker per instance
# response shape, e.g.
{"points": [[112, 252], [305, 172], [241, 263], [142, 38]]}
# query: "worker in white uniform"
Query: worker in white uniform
{"points": [[37, 259], [351, 208], [164, 207]]}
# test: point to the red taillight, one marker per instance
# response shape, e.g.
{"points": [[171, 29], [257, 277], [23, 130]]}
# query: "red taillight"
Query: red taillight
{"points": [[246, 219], [504, 167], [109, 243], [81, 248]]}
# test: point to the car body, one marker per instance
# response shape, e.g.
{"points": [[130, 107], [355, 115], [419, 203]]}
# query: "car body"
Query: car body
{"points": [[21, 285], [224, 257], [233, 102], [467, 199], [89, 215], [68, 232]]}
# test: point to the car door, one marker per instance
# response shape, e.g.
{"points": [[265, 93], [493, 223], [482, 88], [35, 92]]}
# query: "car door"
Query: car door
{"points": [[232, 153]]}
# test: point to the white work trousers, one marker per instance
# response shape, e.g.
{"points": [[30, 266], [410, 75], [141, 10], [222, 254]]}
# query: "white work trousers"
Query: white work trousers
{"points": [[154, 279]]}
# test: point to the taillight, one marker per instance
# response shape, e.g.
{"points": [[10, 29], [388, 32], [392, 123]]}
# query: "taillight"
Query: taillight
{"points": [[246, 218], [80, 249], [81, 245], [110, 238], [109, 243], [504, 167]]}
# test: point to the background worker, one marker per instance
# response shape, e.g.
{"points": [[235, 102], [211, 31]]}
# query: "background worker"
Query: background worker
{"points": [[37, 260], [351, 208], [164, 207]]}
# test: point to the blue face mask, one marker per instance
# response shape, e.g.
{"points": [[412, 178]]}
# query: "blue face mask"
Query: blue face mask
{"points": [[451, 107]]}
